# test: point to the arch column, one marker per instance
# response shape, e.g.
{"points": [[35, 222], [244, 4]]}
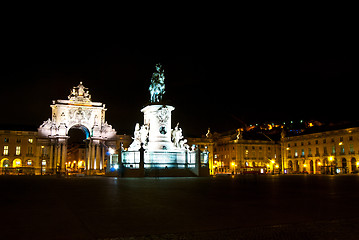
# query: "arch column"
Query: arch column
{"points": [[98, 156]]}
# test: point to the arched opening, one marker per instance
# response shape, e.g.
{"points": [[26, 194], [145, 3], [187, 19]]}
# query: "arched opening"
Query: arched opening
{"points": [[290, 166], [311, 167], [76, 149], [17, 162], [296, 166], [5, 163], [318, 166], [353, 164], [344, 165]]}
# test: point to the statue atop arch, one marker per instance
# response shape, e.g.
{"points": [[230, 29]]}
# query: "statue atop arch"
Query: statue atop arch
{"points": [[80, 94], [157, 87]]}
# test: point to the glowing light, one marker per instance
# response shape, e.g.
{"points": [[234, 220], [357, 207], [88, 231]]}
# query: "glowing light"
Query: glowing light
{"points": [[319, 163], [116, 166], [305, 165], [111, 151], [340, 143], [331, 158]]}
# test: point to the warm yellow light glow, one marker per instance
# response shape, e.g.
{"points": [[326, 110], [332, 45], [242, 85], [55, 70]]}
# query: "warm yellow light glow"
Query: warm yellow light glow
{"points": [[357, 163], [287, 148], [305, 165], [233, 163], [331, 158], [272, 161], [276, 166], [340, 143], [319, 163], [16, 163], [81, 164]]}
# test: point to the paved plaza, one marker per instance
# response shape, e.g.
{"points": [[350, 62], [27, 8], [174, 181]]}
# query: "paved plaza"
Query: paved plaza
{"points": [[243, 207]]}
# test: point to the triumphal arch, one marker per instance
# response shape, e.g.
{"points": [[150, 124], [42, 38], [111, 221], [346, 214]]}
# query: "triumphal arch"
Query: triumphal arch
{"points": [[77, 112]]}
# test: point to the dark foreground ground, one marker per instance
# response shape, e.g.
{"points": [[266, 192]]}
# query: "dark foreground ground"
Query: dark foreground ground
{"points": [[249, 207]]}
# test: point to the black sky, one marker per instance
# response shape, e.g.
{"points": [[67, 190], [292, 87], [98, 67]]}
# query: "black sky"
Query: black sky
{"points": [[264, 75]]}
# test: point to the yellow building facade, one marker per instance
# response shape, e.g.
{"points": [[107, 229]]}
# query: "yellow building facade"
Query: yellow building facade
{"points": [[327, 152], [20, 152], [241, 156]]}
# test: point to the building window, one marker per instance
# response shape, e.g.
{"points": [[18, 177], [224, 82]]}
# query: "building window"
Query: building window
{"points": [[31, 140], [351, 148], [325, 150], [43, 162], [6, 150], [333, 149], [29, 150], [18, 150], [6, 140], [341, 139], [303, 153], [29, 162], [324, 140], [350, 138], [18, 140], [342, 149], [295, 153]]}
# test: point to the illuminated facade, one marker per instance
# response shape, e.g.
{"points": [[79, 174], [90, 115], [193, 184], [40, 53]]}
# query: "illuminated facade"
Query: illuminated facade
{"points": [[243, 152], [77, 112], [20, 152], [327, 152]]}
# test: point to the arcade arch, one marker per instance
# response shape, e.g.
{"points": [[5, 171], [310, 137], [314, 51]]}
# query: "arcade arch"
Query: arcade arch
{"points": [[5, 162], [17, 162]]}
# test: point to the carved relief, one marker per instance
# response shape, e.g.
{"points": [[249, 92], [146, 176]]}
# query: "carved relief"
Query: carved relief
{"points": [[163, 115]]}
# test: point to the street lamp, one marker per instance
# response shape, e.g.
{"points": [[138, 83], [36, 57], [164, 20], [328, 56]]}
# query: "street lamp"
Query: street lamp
{"points": [[331, 159]]}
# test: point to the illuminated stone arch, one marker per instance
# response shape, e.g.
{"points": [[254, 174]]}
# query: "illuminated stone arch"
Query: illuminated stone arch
{"points": [[5, 162], [17, 162], [79, 111]]}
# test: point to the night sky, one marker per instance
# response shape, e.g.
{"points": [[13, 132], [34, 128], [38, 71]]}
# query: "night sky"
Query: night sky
{"points": [[266, 76]]}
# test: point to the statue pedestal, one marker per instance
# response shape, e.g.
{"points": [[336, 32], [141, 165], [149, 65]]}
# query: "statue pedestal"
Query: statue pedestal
{"points": [[158, 118]]}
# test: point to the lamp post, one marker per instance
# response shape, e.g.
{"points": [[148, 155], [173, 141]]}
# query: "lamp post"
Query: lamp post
{"points": [[331, 159], [234, 168], [272, 166]]}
